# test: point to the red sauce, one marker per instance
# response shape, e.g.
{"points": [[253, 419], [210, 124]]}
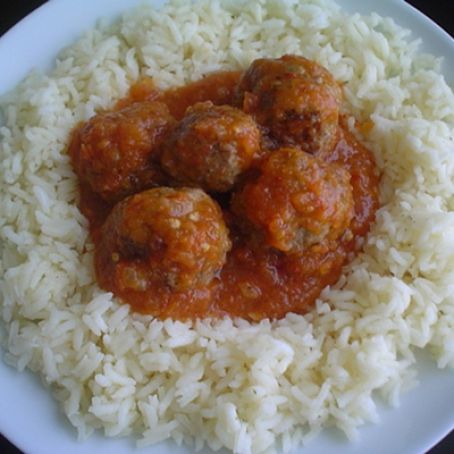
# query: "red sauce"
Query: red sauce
{"points": [[218, 87], [255, 283]]}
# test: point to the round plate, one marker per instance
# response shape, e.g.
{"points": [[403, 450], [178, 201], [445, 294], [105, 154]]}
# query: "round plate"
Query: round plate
{"points": [[30, 417]]}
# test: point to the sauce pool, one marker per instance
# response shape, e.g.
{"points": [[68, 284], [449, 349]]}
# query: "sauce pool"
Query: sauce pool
{"points": [[255, 283]]}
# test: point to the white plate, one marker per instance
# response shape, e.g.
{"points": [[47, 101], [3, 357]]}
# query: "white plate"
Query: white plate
{"points": [[29, 417]]}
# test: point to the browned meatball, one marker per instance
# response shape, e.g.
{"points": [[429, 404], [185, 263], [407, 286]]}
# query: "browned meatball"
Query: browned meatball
{"points": [[116, 152], [297, 200], [295, 99], [211, 146], [165, 237]]}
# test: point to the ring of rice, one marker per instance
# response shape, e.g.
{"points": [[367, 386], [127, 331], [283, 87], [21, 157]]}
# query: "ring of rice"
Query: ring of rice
{"points": [[230, 383]]}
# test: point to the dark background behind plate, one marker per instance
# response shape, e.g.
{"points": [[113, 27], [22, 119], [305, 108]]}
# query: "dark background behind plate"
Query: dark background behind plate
{"points": [[440, 11]]}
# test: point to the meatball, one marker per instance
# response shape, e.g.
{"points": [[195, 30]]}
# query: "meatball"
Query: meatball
{"points": [[211, 146], [296, 201], [165, 237], [296, 100], [116, 153]]}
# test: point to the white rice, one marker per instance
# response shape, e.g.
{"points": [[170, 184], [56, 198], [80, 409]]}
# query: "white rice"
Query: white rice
{"points": [[249, 387]]}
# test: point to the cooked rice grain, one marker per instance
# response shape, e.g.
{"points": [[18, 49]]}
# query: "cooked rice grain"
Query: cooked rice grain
{"points": [[230, 383]]}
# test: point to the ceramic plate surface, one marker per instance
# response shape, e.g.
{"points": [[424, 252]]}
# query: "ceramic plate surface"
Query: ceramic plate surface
{"points": [[30, 417]]}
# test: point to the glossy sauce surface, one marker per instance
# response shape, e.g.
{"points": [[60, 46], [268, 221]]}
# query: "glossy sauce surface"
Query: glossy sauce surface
{"points": [[256, 282]]}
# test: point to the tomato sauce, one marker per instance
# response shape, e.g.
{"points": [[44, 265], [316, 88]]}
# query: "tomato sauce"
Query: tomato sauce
{"points": [[218, 87], [255, 283]]}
